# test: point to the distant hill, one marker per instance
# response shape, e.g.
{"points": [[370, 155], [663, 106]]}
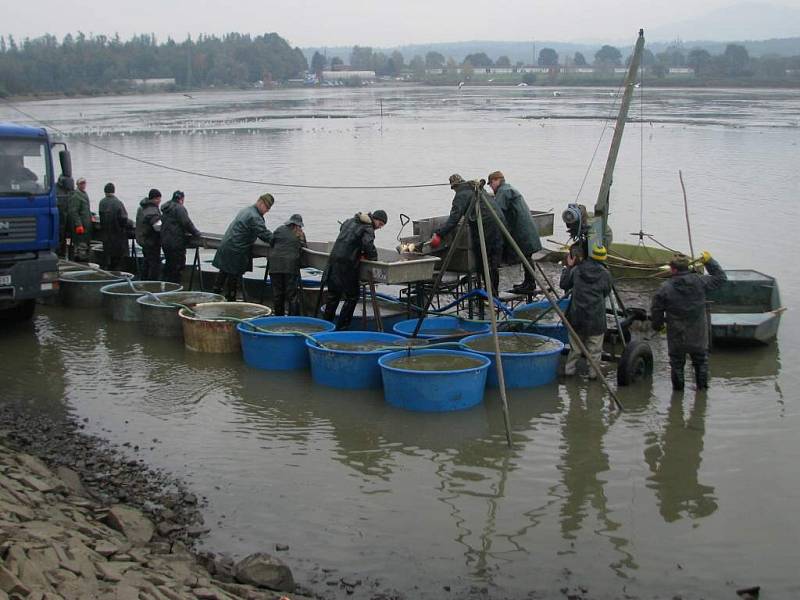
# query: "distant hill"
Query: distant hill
{"points": [[744, 21], [524, 51]]}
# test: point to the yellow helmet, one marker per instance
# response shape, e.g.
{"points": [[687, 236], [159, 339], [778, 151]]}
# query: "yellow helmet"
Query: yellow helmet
{"points": [[599, 252]]}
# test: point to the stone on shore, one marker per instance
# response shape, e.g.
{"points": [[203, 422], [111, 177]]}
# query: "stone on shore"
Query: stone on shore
{"points": [[263, 570], [131, 523]]}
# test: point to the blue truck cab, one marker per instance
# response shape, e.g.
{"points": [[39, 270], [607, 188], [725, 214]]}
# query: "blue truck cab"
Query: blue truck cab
{"points": [[29, 228]]}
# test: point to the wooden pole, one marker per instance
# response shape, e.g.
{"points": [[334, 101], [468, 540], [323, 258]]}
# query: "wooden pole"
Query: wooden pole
{"points": [[492, 316], [686, 212], [553, 300]]}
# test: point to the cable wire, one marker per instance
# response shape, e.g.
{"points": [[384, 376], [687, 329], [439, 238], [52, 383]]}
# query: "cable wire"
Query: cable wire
{"points": [[222, 177]]}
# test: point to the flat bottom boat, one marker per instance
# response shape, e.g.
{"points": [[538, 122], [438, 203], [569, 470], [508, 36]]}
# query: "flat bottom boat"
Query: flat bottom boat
{"points": [[746, 309]]}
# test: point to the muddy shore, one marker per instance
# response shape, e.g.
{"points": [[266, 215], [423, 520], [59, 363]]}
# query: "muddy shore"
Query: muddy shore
{"points": [[79, 519]]}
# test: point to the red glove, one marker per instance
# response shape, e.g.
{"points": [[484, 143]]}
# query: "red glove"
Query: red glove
{"points": [[80, 230], [436, 241]]}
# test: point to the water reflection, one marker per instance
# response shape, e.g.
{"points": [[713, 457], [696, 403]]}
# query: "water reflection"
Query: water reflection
{"points": [[584, 458], [674, 458]]}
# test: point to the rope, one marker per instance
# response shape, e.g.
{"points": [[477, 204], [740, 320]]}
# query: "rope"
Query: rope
{"points": [[222, 177], [599, 141]]}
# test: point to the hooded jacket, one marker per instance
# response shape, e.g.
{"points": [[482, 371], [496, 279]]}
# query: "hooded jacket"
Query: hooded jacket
{"points": [[176, 227], [461, 202], [681, 304], [234, 255], [520, 222], [114, 226], [148, 224], [590, 283], [284, 257], [356, 239]]}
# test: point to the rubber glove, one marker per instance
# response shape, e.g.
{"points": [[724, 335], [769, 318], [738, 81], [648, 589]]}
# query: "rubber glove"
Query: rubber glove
{"points": [[436, 241], [80, 230], [705, 257]]}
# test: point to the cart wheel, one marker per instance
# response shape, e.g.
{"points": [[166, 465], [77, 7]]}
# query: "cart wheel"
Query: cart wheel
{"points": [[22, 311], [635, 364]]}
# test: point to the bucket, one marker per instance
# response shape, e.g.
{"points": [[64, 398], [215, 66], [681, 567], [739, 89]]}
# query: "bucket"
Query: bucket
{"points": [[550, 325], [160, 318], [205, 331], [81, 289], [520, 369], [279, 351], [441, 327], [119, 299], [434, 391], [349, 369]]}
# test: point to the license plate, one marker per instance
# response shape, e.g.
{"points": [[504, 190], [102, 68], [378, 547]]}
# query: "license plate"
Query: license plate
{"points": [[5, 279]]}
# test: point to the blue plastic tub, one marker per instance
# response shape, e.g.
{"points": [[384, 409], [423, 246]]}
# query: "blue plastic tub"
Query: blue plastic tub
{"points": [[346, 369], [433, 391], [277, 351], [555, 330], [438, 327], [521, 369]]}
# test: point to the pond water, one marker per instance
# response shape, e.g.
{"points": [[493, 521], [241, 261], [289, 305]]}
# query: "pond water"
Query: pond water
{"points": [[691, 495]]}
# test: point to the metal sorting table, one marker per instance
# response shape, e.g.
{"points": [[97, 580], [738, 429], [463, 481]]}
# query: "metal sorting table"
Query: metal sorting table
{"points": [[390, 268], [462, 260]]}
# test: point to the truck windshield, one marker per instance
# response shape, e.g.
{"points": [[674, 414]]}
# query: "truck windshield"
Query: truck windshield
{"points": [[23, 167]]}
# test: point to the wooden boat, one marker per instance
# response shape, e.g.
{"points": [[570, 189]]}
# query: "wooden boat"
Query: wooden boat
{"points": [[746, 309], [629, 261]]}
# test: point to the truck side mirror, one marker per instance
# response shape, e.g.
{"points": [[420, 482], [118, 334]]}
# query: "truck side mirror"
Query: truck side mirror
{"points": [[66, 163]]}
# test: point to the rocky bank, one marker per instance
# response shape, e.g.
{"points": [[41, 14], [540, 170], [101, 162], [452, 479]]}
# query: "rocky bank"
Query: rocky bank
{"points": [[67, 536]]}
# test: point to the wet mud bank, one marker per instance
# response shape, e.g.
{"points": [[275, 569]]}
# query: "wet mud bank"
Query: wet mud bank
{"points": [[78, 519]]}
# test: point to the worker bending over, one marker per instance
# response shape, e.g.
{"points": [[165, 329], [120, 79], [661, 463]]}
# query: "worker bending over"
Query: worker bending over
{"points": [[288, 242], [356, 241]]}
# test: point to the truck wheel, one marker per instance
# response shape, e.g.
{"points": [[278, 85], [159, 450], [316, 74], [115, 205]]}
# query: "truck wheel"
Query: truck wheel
{"points": [[635, 364], [20, 312]]}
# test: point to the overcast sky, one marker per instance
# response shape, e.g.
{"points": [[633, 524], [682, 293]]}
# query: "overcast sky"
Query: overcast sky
{"points": [[363, 22]]}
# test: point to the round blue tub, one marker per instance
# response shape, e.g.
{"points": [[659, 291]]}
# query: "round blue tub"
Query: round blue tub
{"points": [[276, 351], [555, 330], [433, 391], [442, 326], [521, 370], [346, 369]]}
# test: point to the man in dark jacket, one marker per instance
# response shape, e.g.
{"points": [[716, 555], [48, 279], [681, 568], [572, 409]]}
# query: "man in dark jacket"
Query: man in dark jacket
{"points": [[176, 231], [114, 229], [284, 265], [79, 221], [64, 187], [520, 225], [590, 283], [465, 192], [148, 235], [680, 303], [356, 241], [234, 256]]}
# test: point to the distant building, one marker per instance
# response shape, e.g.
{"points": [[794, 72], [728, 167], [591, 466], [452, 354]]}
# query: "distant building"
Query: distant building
{"points": [[345, 75], [149, 83]]}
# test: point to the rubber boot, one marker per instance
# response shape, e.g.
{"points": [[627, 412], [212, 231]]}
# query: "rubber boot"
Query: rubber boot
{"points": [[700, 364], [528, 284], [676, 363], [346, 314]]}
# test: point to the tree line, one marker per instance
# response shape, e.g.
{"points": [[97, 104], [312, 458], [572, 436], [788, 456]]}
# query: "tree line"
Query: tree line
{"points": [[81, 64]]}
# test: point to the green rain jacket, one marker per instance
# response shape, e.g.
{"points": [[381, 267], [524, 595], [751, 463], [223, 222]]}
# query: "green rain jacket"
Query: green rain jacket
{"points": [[79, 213], [520, 222], [234, 255]]}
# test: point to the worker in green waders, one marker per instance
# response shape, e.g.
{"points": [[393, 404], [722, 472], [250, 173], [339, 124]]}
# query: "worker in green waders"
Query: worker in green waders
{"points": [[79, 221], [520, 223], [234, 256], [356, 241], [288, 242], [590, 283], [680, 303]]}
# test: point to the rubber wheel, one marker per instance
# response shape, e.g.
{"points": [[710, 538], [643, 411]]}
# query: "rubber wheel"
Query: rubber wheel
{"points": [[635, 364], [20, 312]]}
